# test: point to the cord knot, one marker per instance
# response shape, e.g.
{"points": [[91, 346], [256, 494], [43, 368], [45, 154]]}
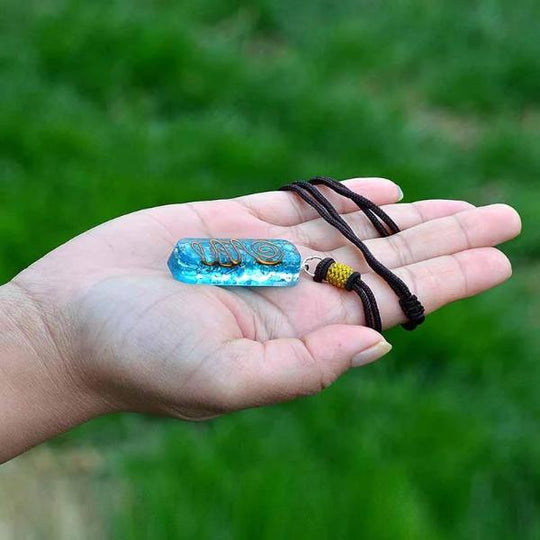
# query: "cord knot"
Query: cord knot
{"points": [[337, 274], [321, 270], [353, 279], [413, 310]]}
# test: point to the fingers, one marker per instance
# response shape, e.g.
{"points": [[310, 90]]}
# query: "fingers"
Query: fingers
{"points": [[480, 227], [285, 368], [436, 282], [319, 235], [286, 209], [447, 273]]}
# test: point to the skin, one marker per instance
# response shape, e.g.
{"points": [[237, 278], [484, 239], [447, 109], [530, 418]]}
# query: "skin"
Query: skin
{"points": [[99, 326]]}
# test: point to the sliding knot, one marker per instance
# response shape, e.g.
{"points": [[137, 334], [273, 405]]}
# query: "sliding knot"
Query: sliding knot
{"points": [[338, 274], [414, 311], [343, 276]]}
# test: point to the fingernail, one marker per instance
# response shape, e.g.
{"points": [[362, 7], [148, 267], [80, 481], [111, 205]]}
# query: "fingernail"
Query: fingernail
{"points": [[400, 194], [373, 353]]}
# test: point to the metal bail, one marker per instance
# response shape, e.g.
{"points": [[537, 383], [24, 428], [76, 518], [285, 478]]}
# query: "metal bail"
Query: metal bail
{"points": [[306, 266]]}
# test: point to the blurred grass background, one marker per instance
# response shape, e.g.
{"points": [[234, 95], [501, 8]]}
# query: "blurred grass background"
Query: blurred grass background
{"points": [[110, 106]]}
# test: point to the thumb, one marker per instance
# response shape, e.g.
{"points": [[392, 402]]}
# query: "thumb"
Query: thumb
{"points": [[283, 369]]}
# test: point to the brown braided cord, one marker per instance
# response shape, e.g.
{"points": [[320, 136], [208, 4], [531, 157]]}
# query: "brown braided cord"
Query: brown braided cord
{"points": [[409, 303]]}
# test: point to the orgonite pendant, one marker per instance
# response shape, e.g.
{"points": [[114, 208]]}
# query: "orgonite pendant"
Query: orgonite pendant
{"points": [[236, 262]]}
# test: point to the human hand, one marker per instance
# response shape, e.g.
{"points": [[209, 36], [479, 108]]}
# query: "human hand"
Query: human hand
{"points": [[129, 337]]}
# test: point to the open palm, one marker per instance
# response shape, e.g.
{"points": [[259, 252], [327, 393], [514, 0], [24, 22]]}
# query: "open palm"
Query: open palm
{"points": [[150, 343]]}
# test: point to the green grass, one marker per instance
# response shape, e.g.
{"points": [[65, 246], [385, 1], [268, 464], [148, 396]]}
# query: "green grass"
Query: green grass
{"points": [[109, 106]]}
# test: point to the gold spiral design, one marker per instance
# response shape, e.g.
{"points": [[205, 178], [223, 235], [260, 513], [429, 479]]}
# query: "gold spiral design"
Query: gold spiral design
{"points": [[228, 253], [266, 252]]}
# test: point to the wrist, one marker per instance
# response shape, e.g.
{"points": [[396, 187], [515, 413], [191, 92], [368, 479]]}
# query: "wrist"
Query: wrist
{"points": [[41, 393]]}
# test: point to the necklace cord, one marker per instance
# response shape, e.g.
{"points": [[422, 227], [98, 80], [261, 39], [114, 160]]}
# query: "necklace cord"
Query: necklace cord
{"points": [[385, 226]]}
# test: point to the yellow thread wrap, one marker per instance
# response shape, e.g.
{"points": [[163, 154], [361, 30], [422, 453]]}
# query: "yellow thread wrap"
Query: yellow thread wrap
{"points": [[338, 274]]}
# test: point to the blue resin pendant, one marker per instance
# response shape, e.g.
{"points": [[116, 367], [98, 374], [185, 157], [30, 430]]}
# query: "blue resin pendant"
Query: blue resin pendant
{"points": [[236, 262]]}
